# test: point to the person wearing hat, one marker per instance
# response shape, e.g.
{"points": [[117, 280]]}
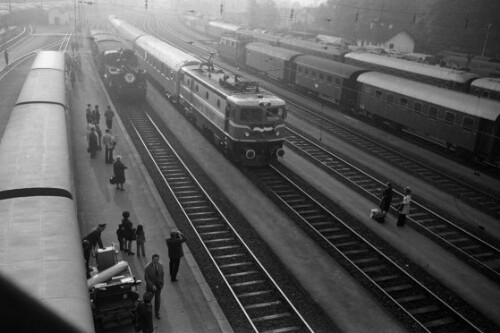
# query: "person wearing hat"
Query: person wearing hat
{"points": [[144, 314], [175, 253], [404, 207], [92, 239], [119, 171]]}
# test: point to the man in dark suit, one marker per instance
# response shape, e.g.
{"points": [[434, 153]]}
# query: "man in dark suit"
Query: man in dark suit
{"points": [[90, 241], [175, 253], [153, 274]]}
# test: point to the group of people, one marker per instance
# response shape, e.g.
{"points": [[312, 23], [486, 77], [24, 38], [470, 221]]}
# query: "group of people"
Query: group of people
{"points": [[403, 207], [154, 277], [153, 271], [96, 140]]}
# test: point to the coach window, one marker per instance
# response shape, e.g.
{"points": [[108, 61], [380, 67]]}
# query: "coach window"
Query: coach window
{"points": [[378, 94], [299, 69], [468, 124], [337, 81], [329, 78], [313, 73], [403, 102], [321, 76], [417, 107], [433, 113], [306, 71], [196, 88], [390, 99], [449, 118], [218, 103], [206, 95]]}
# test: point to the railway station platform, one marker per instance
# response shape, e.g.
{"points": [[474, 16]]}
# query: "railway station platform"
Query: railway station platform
{"points": [[187, 305]]}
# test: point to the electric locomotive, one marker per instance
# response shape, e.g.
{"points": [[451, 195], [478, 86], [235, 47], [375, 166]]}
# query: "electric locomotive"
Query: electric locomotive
{"points": [[118, 66], [239, 117]]}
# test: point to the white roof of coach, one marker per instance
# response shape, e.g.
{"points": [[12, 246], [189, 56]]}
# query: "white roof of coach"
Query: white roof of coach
{"points": [[490, 83], [128, 31], [413, 67], [450, 99], [276, 52], [171, 56], [49, 59], [225, 26]]}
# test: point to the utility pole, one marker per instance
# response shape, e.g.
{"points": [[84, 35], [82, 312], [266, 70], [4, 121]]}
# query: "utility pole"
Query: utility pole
{"points": [[486, 38]]}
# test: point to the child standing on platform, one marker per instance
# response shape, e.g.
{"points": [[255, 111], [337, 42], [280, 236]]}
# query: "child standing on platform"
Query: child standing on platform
{"points": [[120, 233], [140, 240]]}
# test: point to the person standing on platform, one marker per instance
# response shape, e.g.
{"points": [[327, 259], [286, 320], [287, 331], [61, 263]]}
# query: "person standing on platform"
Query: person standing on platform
{"points": [[109, 143], [385, 203], [119, 170], [93, 143], [96, 115], [175, 253], [99, 136], [109, 114], [144, 314], [120, 235], [6, 57], [94, 239], [140, 240], [404, 207], [88, 114], [153, 274], [128, 229]]}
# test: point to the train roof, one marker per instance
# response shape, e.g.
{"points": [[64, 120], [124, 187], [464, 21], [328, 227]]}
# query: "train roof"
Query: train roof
{"points": [[224, 25], [49, 59], [128, 31], [29, 134], [313, 46], [489, 83], [413, 67], [228, 86], [329, 66], [450, 99], [168, 54], [274, 51], [43, 86]]}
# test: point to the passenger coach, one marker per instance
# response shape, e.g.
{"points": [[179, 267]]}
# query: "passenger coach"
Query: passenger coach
{"points": [[466, 122], [41, 252]]}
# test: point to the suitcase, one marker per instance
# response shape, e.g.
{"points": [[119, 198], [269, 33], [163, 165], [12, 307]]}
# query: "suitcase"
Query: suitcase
{"points": [[106, 258], [377, 215]]}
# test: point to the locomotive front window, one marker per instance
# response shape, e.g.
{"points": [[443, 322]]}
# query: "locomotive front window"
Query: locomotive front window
{"points": [[251, 114], [276, 113]]}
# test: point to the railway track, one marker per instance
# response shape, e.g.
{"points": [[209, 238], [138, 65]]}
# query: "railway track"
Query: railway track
{"points": [[259, 297], [488, 203], [424, 308], [468, 245]]}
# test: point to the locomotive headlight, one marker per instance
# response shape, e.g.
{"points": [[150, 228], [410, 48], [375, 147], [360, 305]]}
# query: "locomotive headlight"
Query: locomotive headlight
{"points": [[247, 133], [277, 131]]}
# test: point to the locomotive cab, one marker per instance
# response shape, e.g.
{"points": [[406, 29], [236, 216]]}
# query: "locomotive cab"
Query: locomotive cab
{"points": [[257, 121]]}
